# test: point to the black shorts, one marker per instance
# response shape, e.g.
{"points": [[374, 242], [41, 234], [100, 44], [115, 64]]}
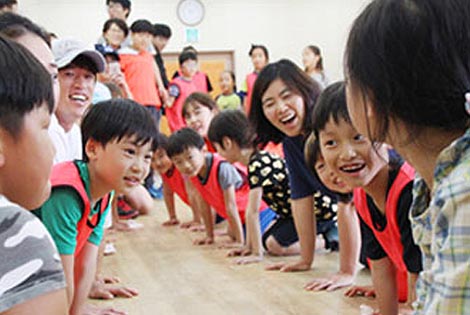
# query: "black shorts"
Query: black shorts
{"points": [[283, 231]]}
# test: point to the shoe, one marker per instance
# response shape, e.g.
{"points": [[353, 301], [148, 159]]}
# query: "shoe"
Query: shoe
{"points": [[125, 211]]}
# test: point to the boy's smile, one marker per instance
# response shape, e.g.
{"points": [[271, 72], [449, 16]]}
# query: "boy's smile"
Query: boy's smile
{"points": [[161, 162], [349, 154], [119, 165]]}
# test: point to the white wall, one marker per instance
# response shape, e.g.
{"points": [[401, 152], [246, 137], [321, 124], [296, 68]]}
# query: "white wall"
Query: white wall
{"points": [[285, 27]]}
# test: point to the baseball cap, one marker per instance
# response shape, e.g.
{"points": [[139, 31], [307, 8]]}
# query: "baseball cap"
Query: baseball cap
{"points": [[66, 50]]}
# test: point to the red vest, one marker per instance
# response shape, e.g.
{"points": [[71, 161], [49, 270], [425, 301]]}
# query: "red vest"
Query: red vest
{"points": [[174, 114], [213, 194], [200, 81], [210, 148], [176, 183], [66, 174], [250, 82], [389, 238]]}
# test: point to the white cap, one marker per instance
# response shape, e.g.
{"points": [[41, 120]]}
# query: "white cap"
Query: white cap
{"points": [[66, 50]]}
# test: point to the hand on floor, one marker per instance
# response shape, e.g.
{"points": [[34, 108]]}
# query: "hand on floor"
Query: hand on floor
{"points": [[331, 283], [367, 291], [100, 290], [288, 267], [90, 309]]}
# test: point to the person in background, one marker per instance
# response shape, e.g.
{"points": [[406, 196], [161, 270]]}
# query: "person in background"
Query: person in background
{"points": [[260, 58], [313, 63], [115, 32], [119, 9], [229, 98], [161, 36], [8, 6]]}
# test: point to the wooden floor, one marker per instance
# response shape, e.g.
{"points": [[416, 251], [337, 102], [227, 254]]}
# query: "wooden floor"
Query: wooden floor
{"points": [[175, 277]]}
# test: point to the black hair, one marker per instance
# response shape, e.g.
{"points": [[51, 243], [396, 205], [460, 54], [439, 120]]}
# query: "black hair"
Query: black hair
{"points": [[186, 55], [162, 30], [262, 47], [330, 104], [7, 3], [202, 98], [126, 4], [162, 141], [142, 26], [84, 62], [294, 78], [182, 140], [232, 124], [190, 49], [118, 118], [410, 59], [24, 86], [312, 152], [316, 50], [14, 26], [119, 23], [232, 75]]}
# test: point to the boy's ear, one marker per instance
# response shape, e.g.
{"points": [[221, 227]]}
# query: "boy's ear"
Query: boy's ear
{"points": [[91, 149], [3, 133], [226, 143]]}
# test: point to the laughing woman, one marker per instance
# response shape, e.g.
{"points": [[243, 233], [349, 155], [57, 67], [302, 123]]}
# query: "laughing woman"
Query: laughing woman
{"points": [[282, 102]]}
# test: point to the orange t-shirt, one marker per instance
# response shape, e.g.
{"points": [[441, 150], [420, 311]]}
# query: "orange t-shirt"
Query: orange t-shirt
{"points": [[139, 72]]}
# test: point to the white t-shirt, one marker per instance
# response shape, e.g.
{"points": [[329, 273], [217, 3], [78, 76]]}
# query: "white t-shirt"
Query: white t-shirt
{"points": [[68, 145]]}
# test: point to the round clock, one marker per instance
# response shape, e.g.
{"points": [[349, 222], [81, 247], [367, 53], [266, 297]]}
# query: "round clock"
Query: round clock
{"points": [[190, 12]]}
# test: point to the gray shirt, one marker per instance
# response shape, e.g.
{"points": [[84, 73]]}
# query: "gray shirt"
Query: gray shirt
{"points": [[228, 174], [29, 263]]}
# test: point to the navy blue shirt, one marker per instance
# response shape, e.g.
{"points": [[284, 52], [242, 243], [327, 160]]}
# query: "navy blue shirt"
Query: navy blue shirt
{"points": [[302, 181]]}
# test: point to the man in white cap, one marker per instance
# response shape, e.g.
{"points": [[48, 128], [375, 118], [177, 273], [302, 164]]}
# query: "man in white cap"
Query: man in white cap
{"points": [[78, 66]]}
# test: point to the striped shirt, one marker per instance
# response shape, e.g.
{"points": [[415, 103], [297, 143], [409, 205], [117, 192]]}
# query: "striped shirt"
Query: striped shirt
{"points": [[441, 227]]}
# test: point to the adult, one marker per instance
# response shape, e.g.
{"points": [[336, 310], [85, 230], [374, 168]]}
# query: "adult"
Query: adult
{"points": [[282, 102]]}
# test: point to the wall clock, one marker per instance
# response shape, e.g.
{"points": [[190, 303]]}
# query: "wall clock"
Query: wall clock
{"points": [[190, 12]]}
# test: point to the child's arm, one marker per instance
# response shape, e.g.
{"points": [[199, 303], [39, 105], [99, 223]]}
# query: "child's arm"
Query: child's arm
{"points": [[85, 266], [52, 303], [305, 224], [158, 78], [385, 285], [206, 214], [254, 246], [168, 197], [349, 240], [233, 217]]}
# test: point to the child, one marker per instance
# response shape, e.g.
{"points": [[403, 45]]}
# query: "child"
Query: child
{"points": [[140, 70], [198, 111], [30, 271], [232, 136], [180, 88], [382, 197], [229, 99], [200, 79], [313, 63], [219, 183], [259, 57], [408, 89], [119, 137], [173, 182]]}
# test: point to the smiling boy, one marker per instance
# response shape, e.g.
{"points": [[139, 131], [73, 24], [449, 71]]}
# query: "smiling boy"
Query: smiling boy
{"points": [[119, 137]]}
